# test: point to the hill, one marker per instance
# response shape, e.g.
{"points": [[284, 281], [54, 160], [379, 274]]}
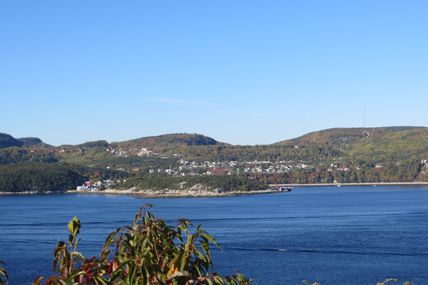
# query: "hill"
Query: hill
{"points": [[170, 140], [31, 141], [339, 136], [371, 143], [166, 145], [9, 141], [391, 154], [38, 177], [94, 144]]}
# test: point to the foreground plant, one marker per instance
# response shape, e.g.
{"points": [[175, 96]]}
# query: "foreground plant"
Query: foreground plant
{"points": [[3, 274], [149, 252]]}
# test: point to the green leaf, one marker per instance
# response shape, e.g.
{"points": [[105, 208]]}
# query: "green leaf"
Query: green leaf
{"points": [[74, 226]]}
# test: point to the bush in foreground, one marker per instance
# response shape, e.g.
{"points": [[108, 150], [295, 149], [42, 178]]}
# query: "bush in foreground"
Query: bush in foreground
{"points": [[3, 274], [149, 252]]}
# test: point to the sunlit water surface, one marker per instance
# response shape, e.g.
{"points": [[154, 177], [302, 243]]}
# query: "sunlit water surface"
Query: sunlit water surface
{"points": [[347, 235]]}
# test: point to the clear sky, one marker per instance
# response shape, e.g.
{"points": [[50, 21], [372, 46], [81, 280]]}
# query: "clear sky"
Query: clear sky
{"points": [[241, 71]]}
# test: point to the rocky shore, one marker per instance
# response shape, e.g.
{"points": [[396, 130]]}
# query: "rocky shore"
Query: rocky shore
{"points": [[169, 193], [203, 191]]}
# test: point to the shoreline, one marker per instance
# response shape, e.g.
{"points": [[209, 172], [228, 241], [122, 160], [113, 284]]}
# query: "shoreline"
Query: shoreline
{"points": [[169, 193], [351, 184], [186, 193]]}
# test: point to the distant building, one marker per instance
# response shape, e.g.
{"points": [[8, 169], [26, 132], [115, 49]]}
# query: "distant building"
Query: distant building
{"points": [[145, 152]]}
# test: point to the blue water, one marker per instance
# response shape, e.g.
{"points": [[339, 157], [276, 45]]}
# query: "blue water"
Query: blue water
{"points": [[347, 235]]}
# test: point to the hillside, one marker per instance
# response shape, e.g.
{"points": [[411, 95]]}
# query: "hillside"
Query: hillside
{"points": [[38, 177], [371, 143], [9, 141], [169, 140], [166, 145], [343, 154], [31, 141]]}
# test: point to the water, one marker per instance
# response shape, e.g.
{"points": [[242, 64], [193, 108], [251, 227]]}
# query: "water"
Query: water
{"points": [[348, 235]]}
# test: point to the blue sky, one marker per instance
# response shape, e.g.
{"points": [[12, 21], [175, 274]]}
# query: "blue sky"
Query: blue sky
{"points": [[244, 72]]}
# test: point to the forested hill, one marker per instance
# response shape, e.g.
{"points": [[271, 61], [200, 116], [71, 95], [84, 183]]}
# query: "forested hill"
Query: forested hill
{"points": [[370, 143], [9, 141], [170, 140], [389, 154], [353, 140], [30, 141], [340, 136]]}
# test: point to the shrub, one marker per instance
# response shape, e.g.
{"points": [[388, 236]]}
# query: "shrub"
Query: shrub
{"points": [[3, 274], [148, 252]]}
